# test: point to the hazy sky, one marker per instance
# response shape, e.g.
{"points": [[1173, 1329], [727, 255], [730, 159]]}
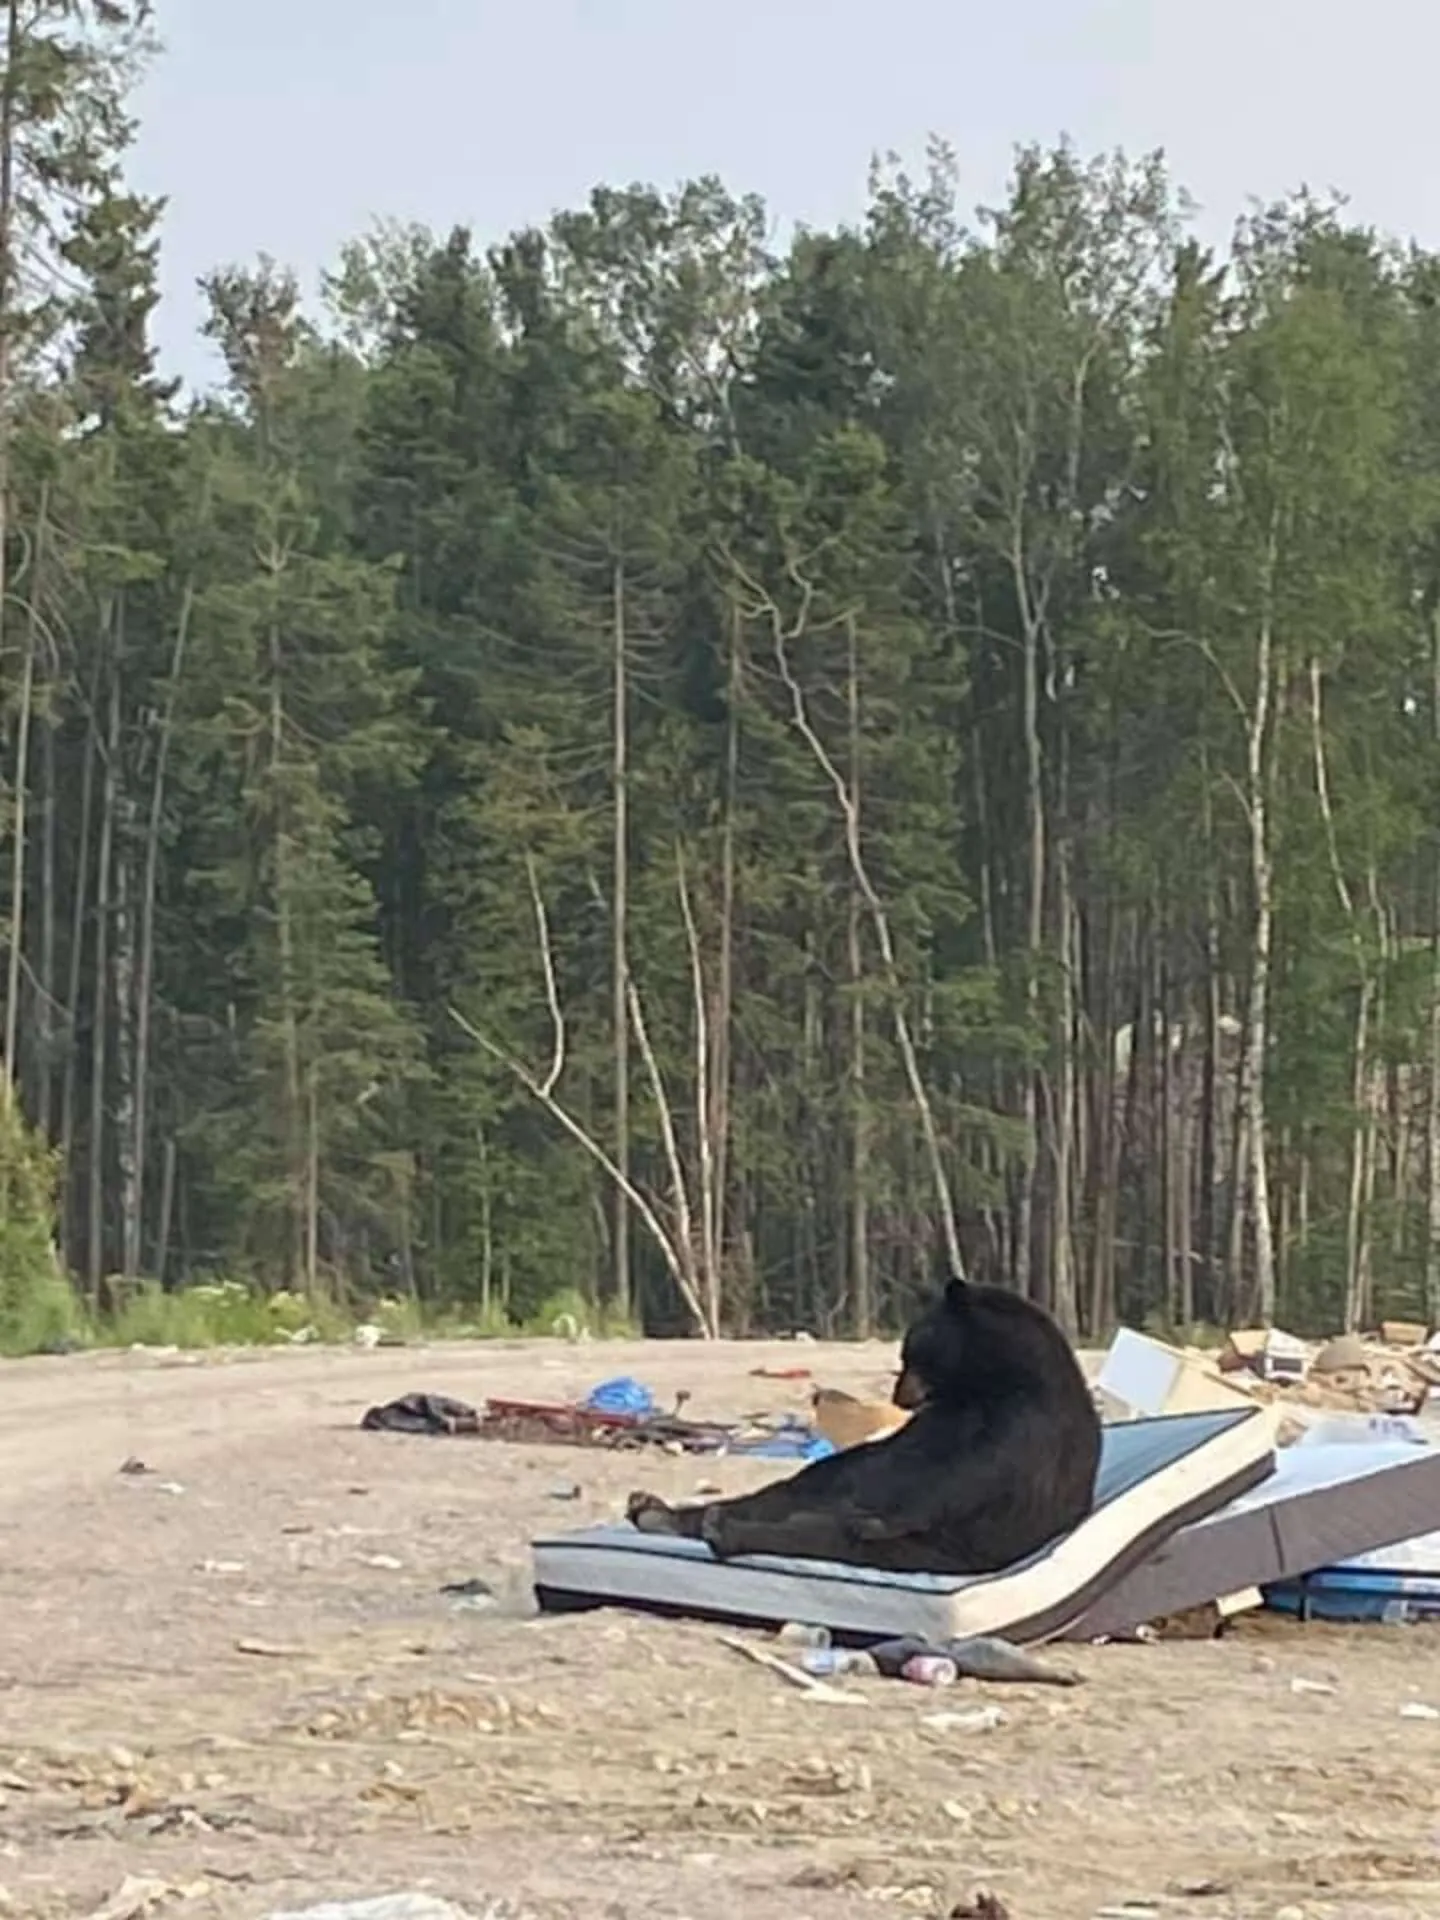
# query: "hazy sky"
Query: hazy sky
{"points": [[286, 125]]}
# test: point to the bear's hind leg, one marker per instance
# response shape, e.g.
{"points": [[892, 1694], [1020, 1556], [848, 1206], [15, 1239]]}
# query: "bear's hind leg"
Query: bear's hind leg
{"points": [[805, 1533]]}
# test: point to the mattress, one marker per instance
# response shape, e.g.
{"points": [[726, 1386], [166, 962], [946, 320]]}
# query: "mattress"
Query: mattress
{"points": [[1155, 1476], [1358, 1593], [1325, 1503]]}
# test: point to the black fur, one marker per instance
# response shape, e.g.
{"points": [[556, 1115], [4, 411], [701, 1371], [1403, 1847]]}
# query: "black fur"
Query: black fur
{"points": [[998, 1458]]}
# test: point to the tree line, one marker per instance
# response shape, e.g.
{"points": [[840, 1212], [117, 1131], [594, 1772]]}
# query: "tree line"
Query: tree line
{"points": [[716, 777]]}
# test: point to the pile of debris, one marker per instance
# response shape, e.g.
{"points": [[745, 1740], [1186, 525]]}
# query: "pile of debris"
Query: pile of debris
{"points": [[622, 1416], [1378, 1376], [1391, 1371]]}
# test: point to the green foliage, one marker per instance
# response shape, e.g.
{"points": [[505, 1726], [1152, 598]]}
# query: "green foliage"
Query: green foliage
{"points": [[37, 1307], [981, 666]]}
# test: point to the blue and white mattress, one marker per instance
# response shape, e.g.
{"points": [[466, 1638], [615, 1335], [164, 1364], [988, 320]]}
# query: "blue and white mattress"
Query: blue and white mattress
{"points": [[1156, 1476]]}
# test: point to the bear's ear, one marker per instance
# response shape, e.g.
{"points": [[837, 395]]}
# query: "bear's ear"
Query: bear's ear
{"points": [[957, 1294]]}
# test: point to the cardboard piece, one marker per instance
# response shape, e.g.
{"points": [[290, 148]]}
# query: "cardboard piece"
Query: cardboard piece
{"points": [[1403, 1333], [847, 1421], [1148, 1378]]}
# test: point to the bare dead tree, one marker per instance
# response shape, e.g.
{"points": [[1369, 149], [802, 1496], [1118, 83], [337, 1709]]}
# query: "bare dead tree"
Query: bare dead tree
{"points": [[675, 1248]]}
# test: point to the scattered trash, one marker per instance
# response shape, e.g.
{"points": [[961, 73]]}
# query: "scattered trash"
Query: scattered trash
{"points": [[472, 1589], [781, 1373], [847, 1422], [796, 1676], [792, 1440], [1419, 1710], [384, 1562], [385, 1906], [795, 1633], [132, 1464], [139, 1893], [976, 1657], [565, 1490], [1266, 1352], [421, 1413], [368, 1335], [169, 1486], [621, 1395], [1299, 1684], [569, 1424], [826, 1662], [930, 1670], [269, 1650], [967, 1720], [221, 1566], [707, 1489], [1349, 1375]]}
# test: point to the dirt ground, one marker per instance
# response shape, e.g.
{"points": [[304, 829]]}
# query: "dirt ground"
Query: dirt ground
{"points": [[231, 1685]]}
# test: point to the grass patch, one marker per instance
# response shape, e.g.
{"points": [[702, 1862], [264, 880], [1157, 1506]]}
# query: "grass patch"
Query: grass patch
{"points": [[47, 1315]]}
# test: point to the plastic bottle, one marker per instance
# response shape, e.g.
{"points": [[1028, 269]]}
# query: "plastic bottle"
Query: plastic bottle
{"points": [[825, 1662], [930, 1670], [795, 1633]]}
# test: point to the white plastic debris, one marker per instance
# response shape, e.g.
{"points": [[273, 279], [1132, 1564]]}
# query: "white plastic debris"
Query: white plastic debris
{"points": [[968, 1720], [386, 1906]]}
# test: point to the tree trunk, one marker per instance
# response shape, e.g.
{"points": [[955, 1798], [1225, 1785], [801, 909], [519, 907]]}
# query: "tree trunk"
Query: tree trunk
{"points": [[723, 1015], [145, 983], [1432, 1091], [20, 826], [1063, 1300], [312, 1180], [48, 995], [619, 936], [1030, 1276], [167, 1211], [1255, 1045], [69, 1090], [10, 84], [296, 1157], [862, 1306], [100, 1004], [123, 1004]]}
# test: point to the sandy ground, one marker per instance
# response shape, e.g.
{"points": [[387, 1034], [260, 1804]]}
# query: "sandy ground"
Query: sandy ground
{"points": [[376, 1737]]}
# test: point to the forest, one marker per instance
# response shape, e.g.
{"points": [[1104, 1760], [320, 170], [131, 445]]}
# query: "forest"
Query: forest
{"points": [[639, 762]]}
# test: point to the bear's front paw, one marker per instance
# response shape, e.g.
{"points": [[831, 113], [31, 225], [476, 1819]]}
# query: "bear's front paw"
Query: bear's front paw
{"points": [[650, 1513]]}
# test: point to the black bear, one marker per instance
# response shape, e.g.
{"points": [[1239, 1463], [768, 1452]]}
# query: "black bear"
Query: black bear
{"points": [[998, 1457]]}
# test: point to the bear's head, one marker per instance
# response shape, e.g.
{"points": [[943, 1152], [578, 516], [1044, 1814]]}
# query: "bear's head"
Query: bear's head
{"points": [[932, 1354], [974, 1342]]}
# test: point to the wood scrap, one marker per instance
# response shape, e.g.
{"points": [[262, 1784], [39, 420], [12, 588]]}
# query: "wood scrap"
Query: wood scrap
{"points": [[796, 1676]]}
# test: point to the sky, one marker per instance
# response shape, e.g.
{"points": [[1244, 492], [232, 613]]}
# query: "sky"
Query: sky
{"points": [[288, 126]]}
